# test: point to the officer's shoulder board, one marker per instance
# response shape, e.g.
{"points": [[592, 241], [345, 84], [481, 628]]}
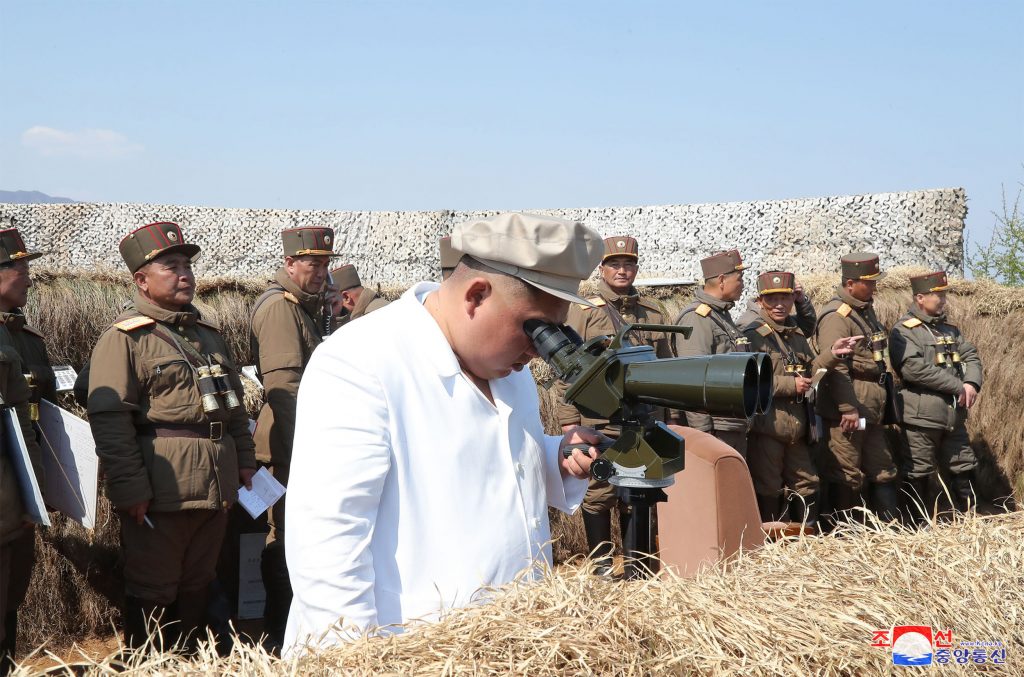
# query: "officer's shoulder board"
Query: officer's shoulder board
{"points": [[764, 329], [845, 309], [652, 304], [206, 323], [597, 301], [133, 323], [912, 322], [703, 310], [291, 297]]}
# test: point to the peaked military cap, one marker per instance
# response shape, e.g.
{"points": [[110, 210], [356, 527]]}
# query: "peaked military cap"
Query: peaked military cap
{"points": [[449, 257], [308, 241], [861, 266], [620, 245], [12, 247], [926, 284], [775, 282], [722, 263], [152, 240], [345, 277], [549, 253]]}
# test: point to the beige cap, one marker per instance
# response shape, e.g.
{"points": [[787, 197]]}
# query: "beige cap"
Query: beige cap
{"points": [[449, 257], [551, 254], [308, 241], [620, 245]]}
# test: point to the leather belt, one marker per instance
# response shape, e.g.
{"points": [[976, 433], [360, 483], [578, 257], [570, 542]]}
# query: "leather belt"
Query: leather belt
{"points": [[198, 431]]}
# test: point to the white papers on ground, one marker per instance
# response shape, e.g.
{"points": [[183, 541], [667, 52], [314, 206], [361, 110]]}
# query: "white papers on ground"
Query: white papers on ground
{"points": [[72, 469], [265, 492]]}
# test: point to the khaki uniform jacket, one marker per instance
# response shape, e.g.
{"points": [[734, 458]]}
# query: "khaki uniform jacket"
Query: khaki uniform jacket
{"points": [[592, 322], [15, 392], [368, 302], [139, 380], [31, 345], [285, 329], [930, 390], [787, 419], [714, 333], [853, 385]]}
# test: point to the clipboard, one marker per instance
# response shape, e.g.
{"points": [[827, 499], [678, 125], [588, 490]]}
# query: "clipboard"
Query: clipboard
{"points": [[14, 447]]}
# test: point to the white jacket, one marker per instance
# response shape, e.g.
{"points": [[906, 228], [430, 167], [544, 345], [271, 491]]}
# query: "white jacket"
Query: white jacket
{"points": [[409, 490]]}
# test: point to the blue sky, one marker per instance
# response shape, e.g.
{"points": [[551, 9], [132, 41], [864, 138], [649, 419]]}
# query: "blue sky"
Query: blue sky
{"points": [[462, 105]]}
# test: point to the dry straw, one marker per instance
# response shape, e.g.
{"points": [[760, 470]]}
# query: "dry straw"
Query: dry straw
{"points": [[797, 607], [76, 575]]}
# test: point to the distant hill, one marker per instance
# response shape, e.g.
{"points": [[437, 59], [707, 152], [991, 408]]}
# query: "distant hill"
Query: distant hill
{"points": [[30, 197]]}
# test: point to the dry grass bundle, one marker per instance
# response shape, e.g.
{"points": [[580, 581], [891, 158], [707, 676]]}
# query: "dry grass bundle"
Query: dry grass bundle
{"points": [[797, 607], [72, 309]]}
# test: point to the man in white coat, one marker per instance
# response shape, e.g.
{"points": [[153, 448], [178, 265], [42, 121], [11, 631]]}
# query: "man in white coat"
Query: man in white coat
{"points": [[420, 470]]}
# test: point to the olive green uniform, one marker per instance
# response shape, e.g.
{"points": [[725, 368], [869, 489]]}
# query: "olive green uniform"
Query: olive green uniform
{"points": [[367, 303], [156, 443], [714, 333], [17, 537], [854, 385], [933, 424], [778, 452], [590, 322], [286, 328]]}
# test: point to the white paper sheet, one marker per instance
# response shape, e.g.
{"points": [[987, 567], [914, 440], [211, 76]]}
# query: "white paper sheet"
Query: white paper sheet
{"points": [[265, 492], [72, 469], [14, 446]]}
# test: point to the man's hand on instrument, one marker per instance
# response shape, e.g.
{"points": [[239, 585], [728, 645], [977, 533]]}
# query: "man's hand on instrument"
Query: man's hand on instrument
{"points": [[578, 463]]}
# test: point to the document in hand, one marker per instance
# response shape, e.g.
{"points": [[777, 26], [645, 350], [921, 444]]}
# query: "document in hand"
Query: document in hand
{"points": [[265, 492], [72, 469], [14, 447]]}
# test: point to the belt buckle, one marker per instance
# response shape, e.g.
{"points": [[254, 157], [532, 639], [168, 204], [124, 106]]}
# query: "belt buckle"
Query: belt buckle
{"points": [[216, 430]]}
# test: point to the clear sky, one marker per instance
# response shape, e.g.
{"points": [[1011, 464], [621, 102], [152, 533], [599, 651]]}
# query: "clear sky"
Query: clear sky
{"points": [[510, 105]]}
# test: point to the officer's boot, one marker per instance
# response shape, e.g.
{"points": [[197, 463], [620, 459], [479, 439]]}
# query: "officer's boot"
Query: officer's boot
{"points": [[274, 568], [191, 606], [9, 643], [843, 498], [804, 510], [768, 506], [963, 491], [142, 618], [885, 501], [599, 540], [918, 500]]}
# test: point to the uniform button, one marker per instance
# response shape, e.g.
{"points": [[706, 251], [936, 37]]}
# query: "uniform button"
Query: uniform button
{"points": [[534, 522], [519, 469], [225, 504]]}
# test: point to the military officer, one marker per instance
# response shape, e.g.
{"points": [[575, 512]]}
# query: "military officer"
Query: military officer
{"points": [[779, 445], [804, 318], [352, 300], [615, 294], [449, 257], [854, 396], [25, 376], [714, 333], [286, 326], [942, 375], [172, 436]]}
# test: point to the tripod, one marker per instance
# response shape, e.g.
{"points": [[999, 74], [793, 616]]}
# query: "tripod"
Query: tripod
{"points": [[639, 540]]}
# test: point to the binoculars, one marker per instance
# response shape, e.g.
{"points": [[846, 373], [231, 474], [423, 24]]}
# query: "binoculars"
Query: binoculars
{"points": [[214, 385], [945, 352], [610, 378], [796, 369], [879, 346]]}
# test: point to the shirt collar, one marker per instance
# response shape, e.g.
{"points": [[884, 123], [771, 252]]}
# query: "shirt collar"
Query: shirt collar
{"points": [[431, 341]]}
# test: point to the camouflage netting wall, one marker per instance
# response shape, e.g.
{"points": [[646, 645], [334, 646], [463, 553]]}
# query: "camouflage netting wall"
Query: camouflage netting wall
{"points": [[399, 248]]}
